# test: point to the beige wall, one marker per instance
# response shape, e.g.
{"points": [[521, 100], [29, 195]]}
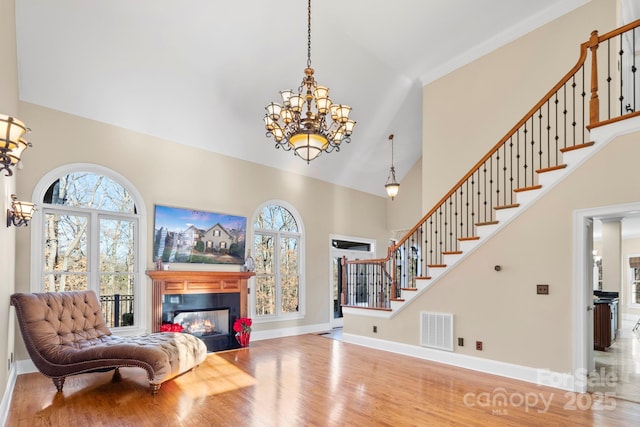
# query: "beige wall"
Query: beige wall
{"points": [[489, 96], [174, 175], [611, 254], [8, 106], [502, 308], [406, 209]]}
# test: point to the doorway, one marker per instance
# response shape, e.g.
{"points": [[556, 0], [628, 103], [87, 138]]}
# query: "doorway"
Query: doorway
{"points": [[612, 371], [352, 248]]}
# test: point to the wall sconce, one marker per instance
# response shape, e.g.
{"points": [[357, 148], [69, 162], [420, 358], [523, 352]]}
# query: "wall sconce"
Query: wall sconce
{"points": [[12, 143], [392, 185], [20, 213]]}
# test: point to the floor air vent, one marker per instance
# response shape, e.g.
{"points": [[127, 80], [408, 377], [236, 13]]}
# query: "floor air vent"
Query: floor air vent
{"points": [[436, 330]]}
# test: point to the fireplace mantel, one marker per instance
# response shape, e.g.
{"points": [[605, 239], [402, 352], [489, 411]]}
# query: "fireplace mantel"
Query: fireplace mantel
{"points": [[195, 282]]}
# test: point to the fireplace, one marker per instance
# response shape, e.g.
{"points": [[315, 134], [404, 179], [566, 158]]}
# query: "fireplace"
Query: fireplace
{"points": [[208, 316], [205, 303]]}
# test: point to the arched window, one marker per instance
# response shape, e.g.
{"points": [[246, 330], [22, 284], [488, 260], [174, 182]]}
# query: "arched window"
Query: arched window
{"points": [[278, 248], [90, 234]]}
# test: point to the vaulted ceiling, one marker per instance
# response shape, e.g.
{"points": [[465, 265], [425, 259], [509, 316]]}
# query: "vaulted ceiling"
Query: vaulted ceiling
{"points": [[199, 72]]}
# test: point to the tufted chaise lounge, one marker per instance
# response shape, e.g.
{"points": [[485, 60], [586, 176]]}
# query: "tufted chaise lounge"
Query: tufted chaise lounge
{"points": [[66, 334]]}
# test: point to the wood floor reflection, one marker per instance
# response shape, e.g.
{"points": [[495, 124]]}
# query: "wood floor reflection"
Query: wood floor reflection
{"points": [[308, 380]]}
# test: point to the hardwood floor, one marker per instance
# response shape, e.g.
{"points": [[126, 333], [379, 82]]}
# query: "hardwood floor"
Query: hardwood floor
{"points": [[309, 380]]}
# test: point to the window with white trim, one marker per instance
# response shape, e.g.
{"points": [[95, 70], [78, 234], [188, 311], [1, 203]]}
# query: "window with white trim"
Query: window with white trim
{"points": [[278, 252], [90, 234]]}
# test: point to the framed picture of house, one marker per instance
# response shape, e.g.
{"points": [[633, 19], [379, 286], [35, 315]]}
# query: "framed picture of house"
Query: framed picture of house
{"points": [[194, 236]]}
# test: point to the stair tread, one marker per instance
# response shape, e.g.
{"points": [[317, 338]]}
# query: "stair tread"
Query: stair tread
{"points": [[513, 205], [424, 277], [463, 239], [409, 289], [576, 147], [436, 265], [532, 187], [478, 224], [452, 253], [551, 169]]}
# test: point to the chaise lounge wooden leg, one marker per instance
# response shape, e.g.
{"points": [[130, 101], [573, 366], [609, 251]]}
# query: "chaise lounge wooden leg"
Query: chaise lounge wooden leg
{"points": [[116, 376], [59, 382], [154, 388]]}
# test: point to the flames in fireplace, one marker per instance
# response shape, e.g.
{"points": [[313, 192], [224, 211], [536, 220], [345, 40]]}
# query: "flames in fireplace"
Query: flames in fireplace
{"points": [[204, 322]]}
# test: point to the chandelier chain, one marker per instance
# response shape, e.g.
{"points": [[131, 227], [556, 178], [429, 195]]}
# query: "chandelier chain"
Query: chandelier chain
{"points": [[391, 138], [309, 35]]}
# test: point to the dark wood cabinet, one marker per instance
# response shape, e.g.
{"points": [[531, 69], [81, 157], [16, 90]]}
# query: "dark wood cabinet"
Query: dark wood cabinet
{"points": [[604, 325]]}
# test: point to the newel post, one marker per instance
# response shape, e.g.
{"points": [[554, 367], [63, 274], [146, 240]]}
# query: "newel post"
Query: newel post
{"points": [[392, 259], [594, 102]]}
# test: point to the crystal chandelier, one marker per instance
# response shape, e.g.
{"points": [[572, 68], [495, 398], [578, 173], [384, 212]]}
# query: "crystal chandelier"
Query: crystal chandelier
{"points": [[308, 122], [392, 185]]}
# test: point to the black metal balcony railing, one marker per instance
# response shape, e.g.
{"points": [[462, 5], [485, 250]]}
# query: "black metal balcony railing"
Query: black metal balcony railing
{"points": [[117, 309], [558, 123]]}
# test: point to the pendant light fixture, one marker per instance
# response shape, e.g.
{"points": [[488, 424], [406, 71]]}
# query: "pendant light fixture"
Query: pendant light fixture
{"points": [[392, 185], [308, 122]]}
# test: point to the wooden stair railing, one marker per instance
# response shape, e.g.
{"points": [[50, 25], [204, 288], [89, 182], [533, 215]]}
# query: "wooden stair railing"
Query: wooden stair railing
{"points": [[558, 123]]}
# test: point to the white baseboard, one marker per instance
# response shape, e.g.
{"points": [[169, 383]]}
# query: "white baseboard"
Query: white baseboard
{"points": [[543, 377], [8, 394], [287, 332]]}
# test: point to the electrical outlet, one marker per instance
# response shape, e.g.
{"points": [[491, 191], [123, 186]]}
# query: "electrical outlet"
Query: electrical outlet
{"points": [[460, 342], [542, 289], [375, 329], [479, 345]]}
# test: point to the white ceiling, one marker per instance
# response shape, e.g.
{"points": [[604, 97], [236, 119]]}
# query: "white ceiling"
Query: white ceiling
{"points": [[199, 72]]}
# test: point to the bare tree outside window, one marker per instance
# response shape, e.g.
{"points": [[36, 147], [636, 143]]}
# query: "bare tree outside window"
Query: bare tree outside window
{"points": [[276, 248], [90, 222]]}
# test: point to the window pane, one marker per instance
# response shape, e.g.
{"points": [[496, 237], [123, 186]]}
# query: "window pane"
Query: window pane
{"points": [[276, 218], [289, 256], [117, 299], [88, 190], [90, 241], [65, 282], [290, 294], [116, 245], [265, 295], [276, 248], [289, 271], [66, 243], [264, 254]]}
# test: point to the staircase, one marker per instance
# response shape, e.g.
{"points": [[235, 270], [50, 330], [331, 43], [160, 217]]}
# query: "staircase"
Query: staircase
{"points": [[556, 136]]}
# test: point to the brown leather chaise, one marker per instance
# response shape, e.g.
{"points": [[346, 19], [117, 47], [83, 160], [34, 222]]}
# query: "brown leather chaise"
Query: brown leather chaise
{"points": [[66, 334]]}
